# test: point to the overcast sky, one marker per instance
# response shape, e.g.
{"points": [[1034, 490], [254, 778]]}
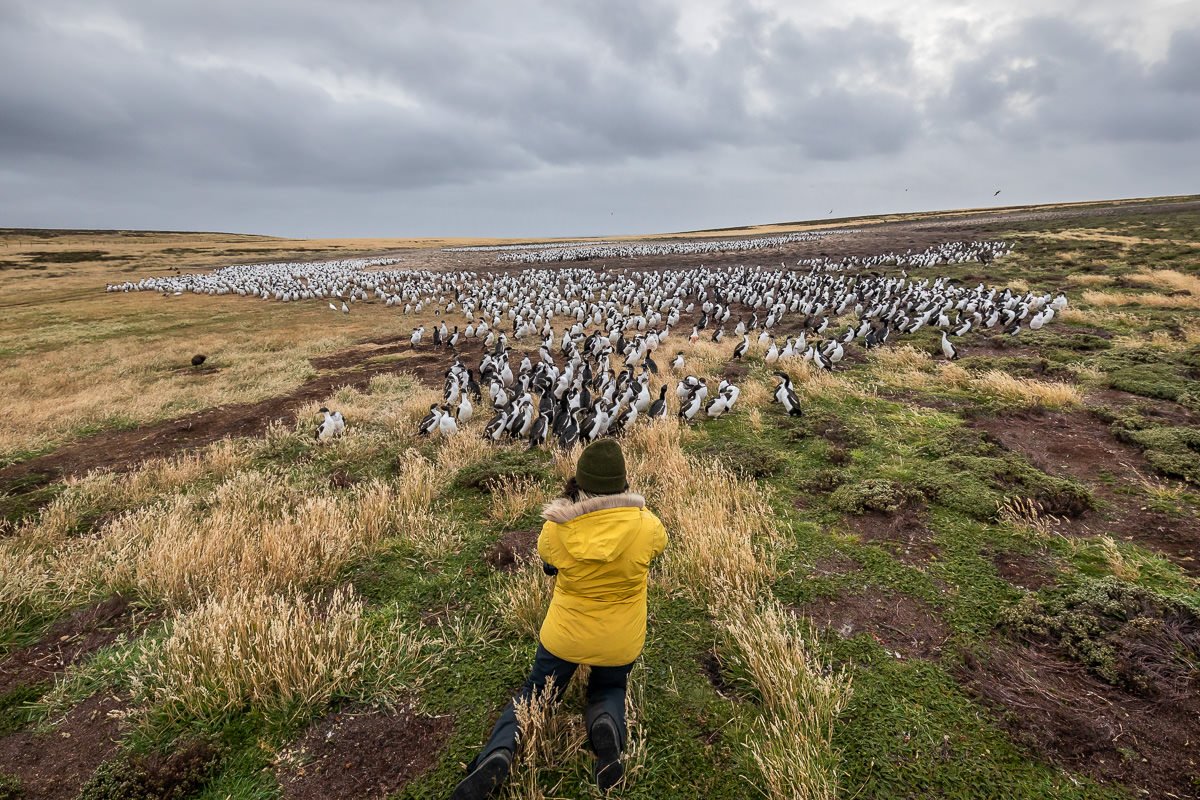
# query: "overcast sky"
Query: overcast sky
{"points": [[518, 118]]}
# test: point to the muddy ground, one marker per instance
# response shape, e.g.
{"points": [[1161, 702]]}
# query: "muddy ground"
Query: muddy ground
{"points": [[1079, 445], [53, 765], [362, 755]]}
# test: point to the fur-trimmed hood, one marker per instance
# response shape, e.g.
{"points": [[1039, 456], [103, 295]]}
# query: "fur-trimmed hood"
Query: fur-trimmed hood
{"points": [[598, 529], [563, 510]]}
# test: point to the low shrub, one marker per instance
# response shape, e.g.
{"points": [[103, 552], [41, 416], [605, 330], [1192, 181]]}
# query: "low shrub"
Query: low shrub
{"points": [[1124, 634], [504, 466], [1173, 450], [873, 494], [152, 777]]}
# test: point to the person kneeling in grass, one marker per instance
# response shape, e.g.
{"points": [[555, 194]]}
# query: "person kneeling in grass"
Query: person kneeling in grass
{"points": [[599, 540]]}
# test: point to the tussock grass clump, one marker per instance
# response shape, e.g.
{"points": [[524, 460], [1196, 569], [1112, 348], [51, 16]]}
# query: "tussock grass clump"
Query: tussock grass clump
{"points": [[1150, 299], [258, 531], [1028, 391], [799, 698], [545, 736], [257, 528], [89, 498], [513, 497], [1125, 634], [1085, 279], [279, 654], [873, 494], [714, 518], [1168, 280], [525, 596], [1026, 516], [900, 359]]}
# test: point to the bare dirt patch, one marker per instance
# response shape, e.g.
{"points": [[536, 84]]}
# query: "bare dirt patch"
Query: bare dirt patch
{"points": [[122, 450], [54, 765], [834, 564], [1072, 444], [354, 755], [512, 548], [899, 623], [905, 534], [1024, 571], [1164, 412], [69, 641], [1068, 716], [1079, 445]]}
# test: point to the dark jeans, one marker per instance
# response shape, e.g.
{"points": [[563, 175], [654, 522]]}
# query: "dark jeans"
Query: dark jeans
{"points": [[605, 695]]}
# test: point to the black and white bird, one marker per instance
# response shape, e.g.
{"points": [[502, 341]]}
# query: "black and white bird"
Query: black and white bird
{"points": [[785, 395], [948, 348], [331, 426], [743, 345], [429, 422], [659, 407]]}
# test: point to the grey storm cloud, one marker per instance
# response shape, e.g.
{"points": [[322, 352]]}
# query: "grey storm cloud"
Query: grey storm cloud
{"points": [[308, 117], [1046, 78]]}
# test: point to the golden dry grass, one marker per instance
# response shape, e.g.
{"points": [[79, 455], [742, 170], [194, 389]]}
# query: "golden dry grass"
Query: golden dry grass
{"points": [[801, 697], [1025, 516], [1028, 391], [1187, 301], [713, 517], [513, 497], [274, 653], [1087, 279], [1168, 280], [524, 595], [254, 529]]}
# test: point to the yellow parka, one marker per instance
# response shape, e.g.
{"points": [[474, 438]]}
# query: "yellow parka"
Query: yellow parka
{"points": [[602, 548]]}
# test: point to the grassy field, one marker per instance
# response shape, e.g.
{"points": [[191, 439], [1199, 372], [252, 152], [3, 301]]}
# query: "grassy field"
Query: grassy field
{"points": [[962, 580]]}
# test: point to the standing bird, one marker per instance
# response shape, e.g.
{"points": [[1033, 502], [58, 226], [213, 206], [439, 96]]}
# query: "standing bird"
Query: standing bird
{"points": [[446, 424], [948, 348], [785, 395], [331, 426], [740, 350], [659, 407], [198, 359], [690, 407], [677, 362], [429, 422]]}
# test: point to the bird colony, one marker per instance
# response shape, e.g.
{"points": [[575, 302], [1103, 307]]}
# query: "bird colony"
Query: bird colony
{"points": [[526, 254], [569, 355]]}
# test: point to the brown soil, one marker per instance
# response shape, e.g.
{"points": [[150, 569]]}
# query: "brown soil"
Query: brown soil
{"points": [[356, 755], [1024, 571], [834, 564], [54, 765], [511, 548], [1079, 445], [1164, 412], [123, 450], [68, 641], [897, 622], [710, 663], [1077, 721], [906, 534]]}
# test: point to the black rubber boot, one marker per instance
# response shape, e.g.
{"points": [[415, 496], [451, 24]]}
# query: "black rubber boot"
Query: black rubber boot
{"points": [[606, 742], [486, 778]]}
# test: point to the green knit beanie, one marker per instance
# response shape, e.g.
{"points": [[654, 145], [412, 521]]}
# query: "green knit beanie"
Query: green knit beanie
{"points": [[601, 468]]}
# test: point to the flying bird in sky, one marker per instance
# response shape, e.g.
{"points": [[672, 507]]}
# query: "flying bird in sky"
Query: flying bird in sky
{"points": [[997, 192]]}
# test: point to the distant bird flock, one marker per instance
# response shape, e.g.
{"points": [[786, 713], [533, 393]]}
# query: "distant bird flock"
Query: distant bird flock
{"points": [[589, 338], [544, 255], [496, 248]]}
